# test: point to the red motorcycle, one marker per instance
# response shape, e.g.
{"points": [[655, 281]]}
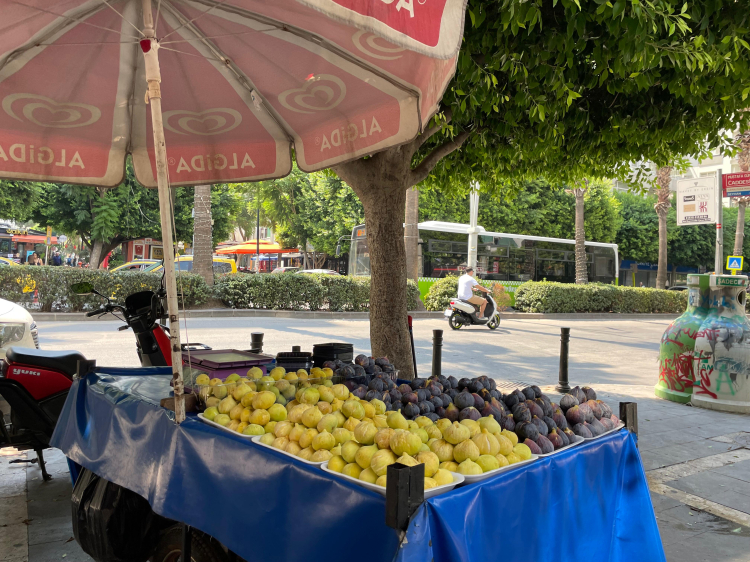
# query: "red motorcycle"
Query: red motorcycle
{"points": [[35, 383]]}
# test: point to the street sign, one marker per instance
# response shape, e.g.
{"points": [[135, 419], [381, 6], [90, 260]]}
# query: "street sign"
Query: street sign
{"points": [[49, 235], [736, 185], [696, 201], [723, 281], [735, 263]]}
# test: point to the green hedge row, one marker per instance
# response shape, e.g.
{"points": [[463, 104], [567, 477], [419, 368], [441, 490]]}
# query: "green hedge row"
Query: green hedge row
{"points": [[550, 297], [290, 291], [51, 286]]}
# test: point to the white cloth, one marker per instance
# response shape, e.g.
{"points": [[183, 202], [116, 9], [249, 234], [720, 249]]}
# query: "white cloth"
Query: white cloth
{"points": [[465, 283]]}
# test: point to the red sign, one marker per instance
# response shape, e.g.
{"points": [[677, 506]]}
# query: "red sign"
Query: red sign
{"points": [[736, 185]]}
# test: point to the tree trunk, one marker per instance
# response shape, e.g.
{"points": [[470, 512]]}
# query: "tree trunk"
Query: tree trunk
{"points": [[97, 256], [411, 234], [582, 276], [744, 161], [202, 234], [663, 179]]}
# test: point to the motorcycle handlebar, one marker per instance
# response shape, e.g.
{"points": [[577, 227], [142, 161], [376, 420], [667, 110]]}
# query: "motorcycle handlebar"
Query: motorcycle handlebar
{"points": [[95, 312]]}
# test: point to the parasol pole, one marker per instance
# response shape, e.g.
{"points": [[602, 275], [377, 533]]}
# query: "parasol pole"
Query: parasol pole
{"points": [[150, 48]]}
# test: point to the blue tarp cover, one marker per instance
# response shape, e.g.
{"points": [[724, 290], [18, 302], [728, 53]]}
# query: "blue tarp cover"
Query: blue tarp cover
{"points": [[591, 501]]}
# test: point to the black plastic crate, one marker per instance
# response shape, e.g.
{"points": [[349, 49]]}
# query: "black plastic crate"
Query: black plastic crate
{"points": [[294, 360], [323, 352]]}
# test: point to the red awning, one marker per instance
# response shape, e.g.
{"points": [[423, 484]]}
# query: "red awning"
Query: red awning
{"points": [[34, 238]]}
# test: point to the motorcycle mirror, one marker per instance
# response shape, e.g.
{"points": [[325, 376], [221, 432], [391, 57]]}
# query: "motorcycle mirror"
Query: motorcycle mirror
{"points": [[338, 250], [83, 288]]}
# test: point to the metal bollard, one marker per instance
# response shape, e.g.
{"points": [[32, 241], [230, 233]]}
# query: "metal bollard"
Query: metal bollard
{"points": [[437, 352], [563, 385], [256, 342]]}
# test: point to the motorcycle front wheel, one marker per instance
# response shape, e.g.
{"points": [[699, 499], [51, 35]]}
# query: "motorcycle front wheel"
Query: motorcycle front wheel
{"points": [[454, 321], [494, 322]]}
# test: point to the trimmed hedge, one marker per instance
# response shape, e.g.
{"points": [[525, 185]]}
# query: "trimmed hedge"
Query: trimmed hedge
{"points": [[290, 291], [441, 292], [52, 286], [550, 297]]}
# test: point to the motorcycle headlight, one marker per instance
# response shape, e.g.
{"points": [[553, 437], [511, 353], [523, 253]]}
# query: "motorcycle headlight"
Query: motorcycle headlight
{"points": [[10, 333]]}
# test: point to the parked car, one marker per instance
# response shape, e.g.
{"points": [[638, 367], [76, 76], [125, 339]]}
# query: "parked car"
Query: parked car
{"points": [[17, 327], [677, 288], [6, 261], [185, 263], [136, 265], [286, 270], [320, 271]]}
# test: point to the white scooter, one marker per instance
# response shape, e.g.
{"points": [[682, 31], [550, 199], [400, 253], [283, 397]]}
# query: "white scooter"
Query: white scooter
{"points": [[462, 313]]}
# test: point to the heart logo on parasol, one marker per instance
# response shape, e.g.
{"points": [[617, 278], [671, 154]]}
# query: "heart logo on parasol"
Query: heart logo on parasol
{"points": [[322, 92], [209, 122], [374, 47], [46, 112]]}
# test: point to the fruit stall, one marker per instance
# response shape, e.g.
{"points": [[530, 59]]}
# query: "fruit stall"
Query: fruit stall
{"points": [[303, 457]]}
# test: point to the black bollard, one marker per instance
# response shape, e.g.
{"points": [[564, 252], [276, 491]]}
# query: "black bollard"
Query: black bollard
{"points": [[437, 352], [256, 342], [563, 385]]}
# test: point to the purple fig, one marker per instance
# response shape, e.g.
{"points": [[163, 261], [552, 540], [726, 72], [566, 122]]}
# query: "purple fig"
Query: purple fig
{"points": [[567, 402], [582, 431], [560, 420], [478, 401], [540, 425], [545, 445], [588, 413], [589, 392], [527, 430], [451, 412], [534, 408], [575, 415], [535, 450], [469, 413], [595, 408]]}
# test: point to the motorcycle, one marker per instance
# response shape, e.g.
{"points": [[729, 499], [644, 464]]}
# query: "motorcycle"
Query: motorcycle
{"points": [[35, 383], [462, 313]]}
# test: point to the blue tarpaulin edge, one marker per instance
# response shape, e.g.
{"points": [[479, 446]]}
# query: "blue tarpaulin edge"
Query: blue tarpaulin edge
{"points": [[263, 505]]}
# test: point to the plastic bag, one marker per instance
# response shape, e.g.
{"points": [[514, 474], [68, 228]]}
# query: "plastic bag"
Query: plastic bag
{"points": [[112, 523]]}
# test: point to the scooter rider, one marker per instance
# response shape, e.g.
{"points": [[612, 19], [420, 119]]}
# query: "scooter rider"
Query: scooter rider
{"points": [[466, 284]]}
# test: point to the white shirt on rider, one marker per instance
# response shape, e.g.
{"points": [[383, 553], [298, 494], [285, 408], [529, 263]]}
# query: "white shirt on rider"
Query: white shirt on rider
{"points": [[465, 284]]}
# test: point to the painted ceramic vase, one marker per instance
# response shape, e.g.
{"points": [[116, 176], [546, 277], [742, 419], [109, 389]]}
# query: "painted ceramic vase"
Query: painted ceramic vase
{"points": [[721, 358], [676, 375]]}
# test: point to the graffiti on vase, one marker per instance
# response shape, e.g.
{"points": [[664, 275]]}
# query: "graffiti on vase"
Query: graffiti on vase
{"points": [[676, 372]]}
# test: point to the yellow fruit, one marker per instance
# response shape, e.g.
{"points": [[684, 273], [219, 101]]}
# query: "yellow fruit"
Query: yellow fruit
{"points": [[523, 451], [443, 477], [405, 442], [236, 412], [328, 372], [469, 467], [340, 391], [490, 424], [502, 460], [296, 432], [301, 372], [283, 429], [321, 455], [247, 399], [364, 455], [456, 433], [222, 419], [510, 435], [488, 462], [487, 443], [380, 421], [466, 450], [423, 421], [450, 466], [202, 379], [277, 412], [379, 406], [365, 432], [383, 437], [265, 383], [255, 372], [306, 453], [421, 433], [307, 437], [326, 394], [311, 417], [309, 396], [253, 429], [381, 460], [353, 409], [210, 413], [412, 425], [261, 417], [220, 391], [429, 483], [506, 445], [369, 410], [351, 424], [368, 475], [277, 373], [336, 450], [407, 460], [349, 450], [295, 414], [336, 405], [337, 463], [291, 377], [267, 438], [239, 391], [226, 405], [329, 422], [513, 458], [263, 400], [433, 432], [341, 419], [473, 426], [324, 407], [293, 448], [241, 427], [233, 377], [212, 402], [233, 425], [323, 440], [381, 481], [430, 461], [341, 435], [280, 443], [443, 424], [352, 469], [270, 427]]}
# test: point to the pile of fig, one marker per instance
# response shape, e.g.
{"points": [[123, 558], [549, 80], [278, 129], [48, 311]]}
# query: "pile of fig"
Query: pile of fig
{"points": [[587, 416]]}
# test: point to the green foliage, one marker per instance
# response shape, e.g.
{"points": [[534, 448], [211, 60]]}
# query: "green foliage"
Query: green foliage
{"points": [[290, 291], [550, 298], [568, 89], [52, 284], [226, 205], [534, 208], [638, 237], [18, 199], [441, 292]]}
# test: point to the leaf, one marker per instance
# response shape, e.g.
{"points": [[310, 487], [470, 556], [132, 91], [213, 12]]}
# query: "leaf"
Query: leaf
{"points": [[618, 8]]}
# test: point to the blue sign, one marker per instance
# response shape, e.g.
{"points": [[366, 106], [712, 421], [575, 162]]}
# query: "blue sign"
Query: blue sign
{"points": [[734, 262]]}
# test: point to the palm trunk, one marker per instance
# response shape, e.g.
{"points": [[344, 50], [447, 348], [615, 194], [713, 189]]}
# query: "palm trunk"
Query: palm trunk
{"points": [[739, 234], [582, 276], [203, 234], [411, 234], [663, 179]]}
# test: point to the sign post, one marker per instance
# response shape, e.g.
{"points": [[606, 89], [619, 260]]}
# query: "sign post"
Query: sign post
{"points": [[736, 185], [735, 263], [699, 201], [719, 232]]}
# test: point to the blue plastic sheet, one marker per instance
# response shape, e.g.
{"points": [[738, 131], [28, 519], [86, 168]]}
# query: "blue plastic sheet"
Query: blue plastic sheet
{"points": [[589, 501]]}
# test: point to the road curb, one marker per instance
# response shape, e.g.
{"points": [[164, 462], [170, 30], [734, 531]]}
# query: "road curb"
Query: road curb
{"points": [[322, 315]]}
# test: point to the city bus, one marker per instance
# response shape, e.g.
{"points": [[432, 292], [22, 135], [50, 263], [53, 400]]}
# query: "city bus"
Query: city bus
{"points": [[508, 259]]}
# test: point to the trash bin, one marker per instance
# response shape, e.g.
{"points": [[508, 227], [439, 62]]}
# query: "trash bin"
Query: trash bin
{"points": [[676, 376], [721, 357]]}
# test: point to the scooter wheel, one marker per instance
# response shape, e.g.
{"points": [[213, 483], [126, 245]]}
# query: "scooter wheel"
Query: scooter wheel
{"points": [[493, 322], [454, 321]]}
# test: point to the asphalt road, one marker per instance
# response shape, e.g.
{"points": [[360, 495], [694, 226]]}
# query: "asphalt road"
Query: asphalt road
{"points": [[601, 351]]}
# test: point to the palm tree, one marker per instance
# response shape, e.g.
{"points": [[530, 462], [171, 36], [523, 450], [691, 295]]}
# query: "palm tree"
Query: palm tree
{"points": [[744, 159], [663, 179], [582, 276], [203, 246], [411, 233]]}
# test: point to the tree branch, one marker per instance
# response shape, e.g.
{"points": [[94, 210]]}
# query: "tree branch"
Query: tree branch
{"points": [[428, 133], [424, 168]]}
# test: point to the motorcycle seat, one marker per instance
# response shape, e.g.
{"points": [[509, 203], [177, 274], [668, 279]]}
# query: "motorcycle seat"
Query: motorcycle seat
{"points": [[65, 361]]}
